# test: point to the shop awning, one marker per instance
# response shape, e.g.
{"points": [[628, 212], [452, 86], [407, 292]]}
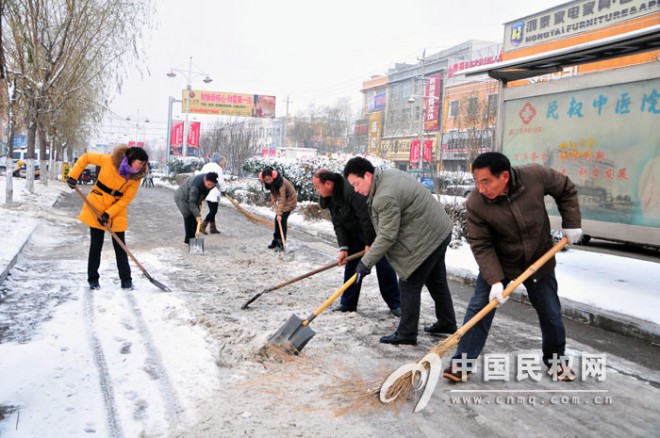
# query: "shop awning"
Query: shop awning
{"points": [[630, 43]]}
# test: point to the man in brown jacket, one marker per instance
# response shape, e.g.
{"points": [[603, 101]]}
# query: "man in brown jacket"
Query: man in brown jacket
{"points": [[285, 198], [509, 229]]}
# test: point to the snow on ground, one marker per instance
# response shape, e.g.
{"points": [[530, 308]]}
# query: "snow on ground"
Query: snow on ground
{"points": [[128, 321]]}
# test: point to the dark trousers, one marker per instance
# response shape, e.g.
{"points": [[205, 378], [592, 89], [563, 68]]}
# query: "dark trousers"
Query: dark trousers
{"points": [[543, 296], [431, 273], [213, 209], [276, 233], [94, 261], [387, 281], [190, 226]]}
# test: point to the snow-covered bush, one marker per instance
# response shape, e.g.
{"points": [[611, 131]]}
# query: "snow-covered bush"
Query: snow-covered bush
{"points": [[300, 171]]}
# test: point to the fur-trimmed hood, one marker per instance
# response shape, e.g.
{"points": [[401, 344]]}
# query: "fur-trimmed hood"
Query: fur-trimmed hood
{"points": [[118, 155]]}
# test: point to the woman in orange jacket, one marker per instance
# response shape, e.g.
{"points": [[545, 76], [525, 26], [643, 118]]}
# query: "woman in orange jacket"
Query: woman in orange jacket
{"points": [[116, 185]]}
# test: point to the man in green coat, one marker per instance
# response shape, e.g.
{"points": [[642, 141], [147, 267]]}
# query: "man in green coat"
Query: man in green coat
{"points": [[412, 231]]}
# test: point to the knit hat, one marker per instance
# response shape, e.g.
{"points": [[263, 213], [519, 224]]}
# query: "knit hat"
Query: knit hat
{"points": [[216, 157]]}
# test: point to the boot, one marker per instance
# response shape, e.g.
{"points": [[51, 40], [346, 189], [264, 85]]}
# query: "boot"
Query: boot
{"points": [[273, 244], [214, 230], [202, 228]]}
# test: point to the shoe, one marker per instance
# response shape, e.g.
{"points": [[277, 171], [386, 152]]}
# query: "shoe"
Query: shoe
{"points": [[273, 244], [214, 229], [202, 228], [94, 285], [396, 312], [562, 373], [395, 339], [127, 284], [440, 330], [456, 377], [342, 308]]}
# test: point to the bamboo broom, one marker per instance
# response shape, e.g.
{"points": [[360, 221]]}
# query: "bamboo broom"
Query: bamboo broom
{"points": [[426, 371], [251, 216]]}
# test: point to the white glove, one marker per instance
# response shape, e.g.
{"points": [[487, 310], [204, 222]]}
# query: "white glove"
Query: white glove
{"points": [[496, 293], [574, 235]]}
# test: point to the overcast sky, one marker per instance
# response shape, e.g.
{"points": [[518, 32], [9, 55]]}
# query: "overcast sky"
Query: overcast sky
{"points": [[306, 50]]}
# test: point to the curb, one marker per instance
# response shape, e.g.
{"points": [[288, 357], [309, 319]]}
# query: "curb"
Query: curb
{"points": [[603, 319], [5, 272]]}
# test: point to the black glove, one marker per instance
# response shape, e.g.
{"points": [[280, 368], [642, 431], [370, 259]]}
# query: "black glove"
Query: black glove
{"points": [[362, 271], [72, 182], [223, 193], [104, 219]]}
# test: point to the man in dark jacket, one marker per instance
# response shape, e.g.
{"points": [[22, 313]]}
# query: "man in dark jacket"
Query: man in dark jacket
{"points": [[355, 232], [413, 231], [189, 197], [508, 230]]}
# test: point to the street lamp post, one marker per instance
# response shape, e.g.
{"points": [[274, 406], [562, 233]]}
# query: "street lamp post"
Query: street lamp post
{"points": [[190, 74], [137, 125]]}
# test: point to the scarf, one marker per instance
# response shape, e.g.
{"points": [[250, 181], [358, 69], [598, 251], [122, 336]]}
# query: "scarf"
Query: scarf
{"points": [[125, 169]]}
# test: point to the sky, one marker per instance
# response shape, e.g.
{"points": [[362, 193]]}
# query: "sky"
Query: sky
{"points": [[300, 51]]}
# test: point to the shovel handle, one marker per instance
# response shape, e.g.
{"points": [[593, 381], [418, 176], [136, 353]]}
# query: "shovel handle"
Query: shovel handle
{"points": [[301, 277], [107, 227], [199, 223], [330, 300], [514, 284], [279, 222]]}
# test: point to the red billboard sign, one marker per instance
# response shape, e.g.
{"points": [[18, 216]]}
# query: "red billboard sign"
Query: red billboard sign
{"points": [[427, 153]]}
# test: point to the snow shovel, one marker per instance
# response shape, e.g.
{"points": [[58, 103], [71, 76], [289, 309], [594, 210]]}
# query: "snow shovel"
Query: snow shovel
{"points": [[301, 277], [286, 255], [197, 246], [157, 283], [295, 333]]}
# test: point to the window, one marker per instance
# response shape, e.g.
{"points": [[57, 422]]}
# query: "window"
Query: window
{"points": [[492, 105], [453, 109], [473, 106]]}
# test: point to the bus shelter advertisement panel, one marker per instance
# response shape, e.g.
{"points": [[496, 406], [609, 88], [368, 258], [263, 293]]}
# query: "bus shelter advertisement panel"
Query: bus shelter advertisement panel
{"points": [[606, 139]]}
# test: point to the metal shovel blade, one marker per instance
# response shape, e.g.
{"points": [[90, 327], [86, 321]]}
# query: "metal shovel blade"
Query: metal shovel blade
{"points": [[196, 246], [291, 337]]}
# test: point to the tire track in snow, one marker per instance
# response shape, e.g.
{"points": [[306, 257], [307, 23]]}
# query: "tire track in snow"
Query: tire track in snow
{"points": [[171, 401], [107, 390]]}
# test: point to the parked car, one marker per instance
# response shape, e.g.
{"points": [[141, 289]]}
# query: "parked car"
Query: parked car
{"points": [[461, 185]]}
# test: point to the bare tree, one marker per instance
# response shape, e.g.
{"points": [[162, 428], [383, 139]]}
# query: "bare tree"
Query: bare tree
{"points": [[326, 128], [233, 138], [475, 121], [58, 48]]}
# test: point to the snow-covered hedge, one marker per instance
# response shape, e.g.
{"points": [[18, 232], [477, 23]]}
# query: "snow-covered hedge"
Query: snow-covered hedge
{"points": [[300, 171]]}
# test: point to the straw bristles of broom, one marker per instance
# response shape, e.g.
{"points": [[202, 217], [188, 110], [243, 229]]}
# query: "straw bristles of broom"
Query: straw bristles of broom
{"points": [[251, 216], [362, 395]]}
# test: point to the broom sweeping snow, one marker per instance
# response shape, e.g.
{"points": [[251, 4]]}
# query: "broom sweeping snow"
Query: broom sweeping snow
{"points": [[425, 373]]}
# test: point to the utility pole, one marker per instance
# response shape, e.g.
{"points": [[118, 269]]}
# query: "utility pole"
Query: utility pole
{"points": [[286, 123], [421, 124]]}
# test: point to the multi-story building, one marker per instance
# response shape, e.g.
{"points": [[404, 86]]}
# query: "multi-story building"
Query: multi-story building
{"points": [[407, 109]]}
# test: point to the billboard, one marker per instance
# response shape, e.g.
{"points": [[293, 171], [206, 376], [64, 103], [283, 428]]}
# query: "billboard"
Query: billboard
{"points": [[228, 104], [377, 103], [432, 102], [573, 18], [427, 153], [176, 138], [604, 138]]}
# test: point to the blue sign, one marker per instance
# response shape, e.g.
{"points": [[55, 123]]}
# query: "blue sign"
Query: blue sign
{"points": [[428, 183]]}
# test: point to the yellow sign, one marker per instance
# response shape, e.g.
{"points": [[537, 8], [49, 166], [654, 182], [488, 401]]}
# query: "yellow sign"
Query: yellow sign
{"points": [[228, 104], [65, 171]]}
